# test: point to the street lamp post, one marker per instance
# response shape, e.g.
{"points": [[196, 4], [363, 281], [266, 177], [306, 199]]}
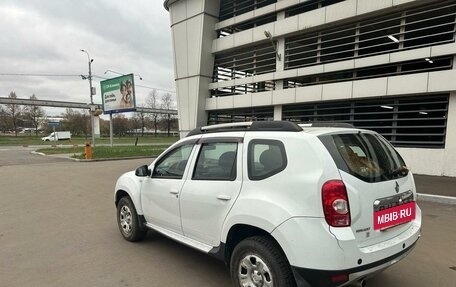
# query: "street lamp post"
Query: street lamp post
{"points": [[92, 120]]}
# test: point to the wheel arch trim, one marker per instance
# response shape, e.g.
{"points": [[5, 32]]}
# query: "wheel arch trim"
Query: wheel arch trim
{"points": [[135, 198]]}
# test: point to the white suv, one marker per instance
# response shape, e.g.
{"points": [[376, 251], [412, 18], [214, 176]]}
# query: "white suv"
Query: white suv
{"points": [[282, 204]]}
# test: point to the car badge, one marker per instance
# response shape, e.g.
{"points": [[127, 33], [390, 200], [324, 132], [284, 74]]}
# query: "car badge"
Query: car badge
{"points": [[397, 187]]}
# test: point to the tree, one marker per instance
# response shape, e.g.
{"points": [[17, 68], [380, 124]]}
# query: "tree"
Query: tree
{"points": [[152, 102], [76, 122], [3, 119], [35, 114], [120, 125], [141, 119], [104, 127], [167, 104], [13, 112]]}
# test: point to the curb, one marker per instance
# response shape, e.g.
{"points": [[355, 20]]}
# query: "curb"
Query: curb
{"points": [[437, 198], [112, 159], [93, 160]]}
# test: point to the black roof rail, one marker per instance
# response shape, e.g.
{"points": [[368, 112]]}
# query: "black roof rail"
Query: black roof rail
{"points": [[278, 126]]}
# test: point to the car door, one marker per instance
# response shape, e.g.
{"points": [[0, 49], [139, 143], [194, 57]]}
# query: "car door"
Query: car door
{"points": [[160, 192], [211, 188]]}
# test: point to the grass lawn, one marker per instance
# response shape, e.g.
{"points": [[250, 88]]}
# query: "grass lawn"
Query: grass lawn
{"points": [[11, 140], [105, 152]]}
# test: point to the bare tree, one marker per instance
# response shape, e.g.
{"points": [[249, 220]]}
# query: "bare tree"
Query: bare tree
{"points": [[167, 104], [120, 125], [13, 112], [141, 118], [152, 102], [35, 114], [3, 119], [76, 122]]}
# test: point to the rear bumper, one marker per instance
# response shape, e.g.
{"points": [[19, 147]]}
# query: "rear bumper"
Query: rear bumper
{"points": [[322, 278]]}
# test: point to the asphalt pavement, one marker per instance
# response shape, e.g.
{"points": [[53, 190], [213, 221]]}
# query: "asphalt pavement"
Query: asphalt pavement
{"points": [[22, 156]]}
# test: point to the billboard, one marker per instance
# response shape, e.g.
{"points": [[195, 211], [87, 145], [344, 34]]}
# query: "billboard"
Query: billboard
{"points": [[118, 94]]}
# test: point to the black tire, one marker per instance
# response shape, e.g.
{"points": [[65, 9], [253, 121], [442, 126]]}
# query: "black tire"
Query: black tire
{"points": [[257, 251], [128, 221]]}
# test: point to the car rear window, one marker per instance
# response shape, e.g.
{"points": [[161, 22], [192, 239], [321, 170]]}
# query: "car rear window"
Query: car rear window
{"points": [[366, 156]]}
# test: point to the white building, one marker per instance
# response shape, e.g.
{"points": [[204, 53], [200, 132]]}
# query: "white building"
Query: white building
{"points": [[385, 65]]}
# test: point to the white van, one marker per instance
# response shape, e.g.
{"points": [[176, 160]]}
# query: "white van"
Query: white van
{"points": [[57, 136]]}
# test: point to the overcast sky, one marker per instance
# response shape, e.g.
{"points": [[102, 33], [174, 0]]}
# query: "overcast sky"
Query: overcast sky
{"points": [[45, 37]]}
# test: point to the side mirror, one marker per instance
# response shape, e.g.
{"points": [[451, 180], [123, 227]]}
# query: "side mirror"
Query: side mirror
{"points": [[143, 171]]}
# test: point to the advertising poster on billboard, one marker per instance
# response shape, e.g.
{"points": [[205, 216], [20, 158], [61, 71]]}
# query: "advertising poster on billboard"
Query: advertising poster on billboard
{"points": [[118, 94]]}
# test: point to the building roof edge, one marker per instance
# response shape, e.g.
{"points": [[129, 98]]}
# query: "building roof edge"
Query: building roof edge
{"points": [[166, 3]]}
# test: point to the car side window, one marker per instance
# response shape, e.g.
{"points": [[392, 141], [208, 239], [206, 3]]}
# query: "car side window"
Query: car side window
{"points": [[265, 158], [216, 161], [173, 164]]}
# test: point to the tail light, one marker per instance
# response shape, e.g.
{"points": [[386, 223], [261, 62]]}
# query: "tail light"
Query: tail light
{"points": [[335, 203]]}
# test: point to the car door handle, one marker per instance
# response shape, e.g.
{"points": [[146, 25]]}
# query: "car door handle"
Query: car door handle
{"points": [[223, 197], [175, 192]]}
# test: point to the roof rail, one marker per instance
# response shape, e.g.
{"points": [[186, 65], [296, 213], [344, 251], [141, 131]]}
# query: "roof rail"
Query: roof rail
{"points": [[227, 126], [326, 125], [278, 126]]}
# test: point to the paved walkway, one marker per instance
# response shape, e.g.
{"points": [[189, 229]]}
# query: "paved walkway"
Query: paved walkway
{"points": [[436, 185]]}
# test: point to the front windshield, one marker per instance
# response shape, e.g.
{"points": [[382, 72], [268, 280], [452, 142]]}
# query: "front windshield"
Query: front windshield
{"points": [[367, 156]]}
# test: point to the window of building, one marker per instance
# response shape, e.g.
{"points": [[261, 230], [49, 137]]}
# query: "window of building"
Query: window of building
{"points": [[265, 158], [244, 89], [241, 115], [430, 26], [308, 6], [337, 44], [232, 8], [228, 10], [245, 62], [425, 26], [374, 115], [394, 69], [301, 51], [173, 164], [269, 18], [377, 36], [405, 121], [216, 161]]}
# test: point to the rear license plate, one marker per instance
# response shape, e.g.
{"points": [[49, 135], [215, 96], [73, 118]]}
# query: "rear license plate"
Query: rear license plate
{"points": [[393, 216]]}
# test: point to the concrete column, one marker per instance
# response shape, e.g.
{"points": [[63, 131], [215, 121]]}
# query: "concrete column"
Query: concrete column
{"points": [[449, 158], [280, 66], [192, 26], [280, 47], [96, 126], [278, 113]]}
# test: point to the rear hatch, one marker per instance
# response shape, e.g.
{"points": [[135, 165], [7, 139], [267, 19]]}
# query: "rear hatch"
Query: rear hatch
{"points": [[380, 189]]}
